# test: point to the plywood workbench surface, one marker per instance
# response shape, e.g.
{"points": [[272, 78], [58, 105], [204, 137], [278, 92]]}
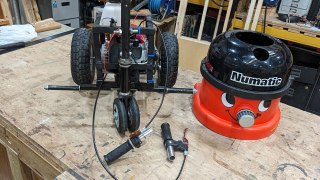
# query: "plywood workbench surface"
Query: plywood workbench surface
{"points": [[59, 124]]}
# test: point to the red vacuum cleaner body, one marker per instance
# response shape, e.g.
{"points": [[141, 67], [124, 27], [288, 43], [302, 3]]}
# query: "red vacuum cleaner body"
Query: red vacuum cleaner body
{"points": [[245, 74]]}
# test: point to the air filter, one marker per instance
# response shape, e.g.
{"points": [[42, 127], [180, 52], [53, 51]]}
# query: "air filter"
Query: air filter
{"points": [[245, 74]]}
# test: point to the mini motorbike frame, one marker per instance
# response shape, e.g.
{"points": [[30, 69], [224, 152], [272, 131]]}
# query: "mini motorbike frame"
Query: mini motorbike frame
{"points": [[124, 65]]}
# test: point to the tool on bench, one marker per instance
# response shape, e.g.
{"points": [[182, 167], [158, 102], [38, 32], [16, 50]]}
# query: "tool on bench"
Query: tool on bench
{"points": [[172, 145], [135, 141]]}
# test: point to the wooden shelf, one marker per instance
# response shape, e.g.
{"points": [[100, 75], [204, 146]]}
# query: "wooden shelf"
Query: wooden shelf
{"points": [[211, 4], [294, 32]]}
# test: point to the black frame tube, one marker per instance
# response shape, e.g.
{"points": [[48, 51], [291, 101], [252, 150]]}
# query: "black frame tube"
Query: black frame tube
{"points": [[125, 27], [124, 81], [111, 85], [124, 70], [121, 68], [125, 43]]}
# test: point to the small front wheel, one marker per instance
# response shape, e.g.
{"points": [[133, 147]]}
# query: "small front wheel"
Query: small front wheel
{"points": [[133, 115], [120, 116]]}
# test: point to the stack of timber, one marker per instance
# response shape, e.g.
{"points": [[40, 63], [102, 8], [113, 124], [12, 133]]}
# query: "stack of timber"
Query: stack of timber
{"points": [[30, 11], [273, 21], [5, 14], [18, 12]]}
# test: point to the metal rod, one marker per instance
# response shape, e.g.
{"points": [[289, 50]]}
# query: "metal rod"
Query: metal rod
{"points": [[171, 90], [15, 7], [71, 88], [125, 42], [65, 88], [106, 87], [125, 26], [124, 80]]}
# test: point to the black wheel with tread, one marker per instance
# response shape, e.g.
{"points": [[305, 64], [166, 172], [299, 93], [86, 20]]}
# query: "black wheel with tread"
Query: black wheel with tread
{"points": [[169, 48], [82, 65], [133, 115], [120, 116]]}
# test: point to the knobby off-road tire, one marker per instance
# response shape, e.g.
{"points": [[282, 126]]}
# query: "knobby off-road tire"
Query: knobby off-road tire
{"points": [[169, 48], [82, 66]]}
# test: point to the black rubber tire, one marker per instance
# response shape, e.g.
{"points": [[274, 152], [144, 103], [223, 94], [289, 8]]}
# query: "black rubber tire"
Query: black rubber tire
{"points": [[170, 42], [82, 67], [120, 116], [133, 115]]}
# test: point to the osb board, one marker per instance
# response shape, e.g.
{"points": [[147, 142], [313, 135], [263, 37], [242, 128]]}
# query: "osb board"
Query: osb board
{"points": [[54, 32], [191, 53], [272, 20], [28, 151], [5, 171], [46, 25], [60, 122]]}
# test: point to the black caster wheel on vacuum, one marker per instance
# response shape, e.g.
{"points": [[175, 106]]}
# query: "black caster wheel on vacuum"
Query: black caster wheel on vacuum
{"points": [[120, 116], [82, 63], [133, 115], [169, 59]]}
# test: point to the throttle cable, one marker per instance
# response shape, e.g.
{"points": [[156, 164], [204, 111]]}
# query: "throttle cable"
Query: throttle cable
{"points": [[104, 165]]}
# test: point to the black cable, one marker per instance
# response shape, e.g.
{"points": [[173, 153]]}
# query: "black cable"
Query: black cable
{"points": [[94, 132], [183, 162], [151, 120], [164, 93], [134, 57], [167, 72], [141, 22]]}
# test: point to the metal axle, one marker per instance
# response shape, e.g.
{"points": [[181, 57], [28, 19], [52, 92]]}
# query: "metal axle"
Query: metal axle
{"points": [[96, 87]]}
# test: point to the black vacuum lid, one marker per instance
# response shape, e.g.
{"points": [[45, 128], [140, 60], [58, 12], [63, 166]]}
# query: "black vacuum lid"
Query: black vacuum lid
{"points": [[249, 60]]}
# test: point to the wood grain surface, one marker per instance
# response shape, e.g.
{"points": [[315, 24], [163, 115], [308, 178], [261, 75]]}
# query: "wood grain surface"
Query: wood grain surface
{"points": [[60, 123]]}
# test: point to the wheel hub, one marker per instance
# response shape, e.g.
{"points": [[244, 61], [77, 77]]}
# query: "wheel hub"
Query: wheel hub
{"points": [[116, 115], [92, 66], [130, 116]]}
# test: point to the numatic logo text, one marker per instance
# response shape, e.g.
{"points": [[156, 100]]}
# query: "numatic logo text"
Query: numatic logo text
{"points": [[240, 78]]}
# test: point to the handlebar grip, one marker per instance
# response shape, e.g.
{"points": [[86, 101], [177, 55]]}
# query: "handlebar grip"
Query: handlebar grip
{"points": [[166, 133], [118, 152]]}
